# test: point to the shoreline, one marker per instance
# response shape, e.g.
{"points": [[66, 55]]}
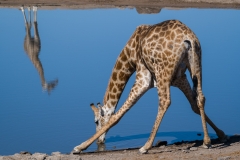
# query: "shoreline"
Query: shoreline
{"points": [[153, 7], [177, 150]]}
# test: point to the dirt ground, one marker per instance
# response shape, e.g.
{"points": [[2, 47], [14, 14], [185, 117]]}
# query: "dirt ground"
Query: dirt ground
{"points": [[154, 6], [229, 150]]}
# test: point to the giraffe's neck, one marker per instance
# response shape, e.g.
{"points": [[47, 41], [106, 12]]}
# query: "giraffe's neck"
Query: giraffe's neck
{"points": [[121, 73], [38, 65], [123, 69]]}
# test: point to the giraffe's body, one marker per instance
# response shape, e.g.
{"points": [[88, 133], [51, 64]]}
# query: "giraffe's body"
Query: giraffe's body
{"points": [[160, 55], [32, 47]]}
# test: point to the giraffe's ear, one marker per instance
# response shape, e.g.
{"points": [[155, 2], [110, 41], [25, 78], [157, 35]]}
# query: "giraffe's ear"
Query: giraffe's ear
{"points": [[95, 109]]}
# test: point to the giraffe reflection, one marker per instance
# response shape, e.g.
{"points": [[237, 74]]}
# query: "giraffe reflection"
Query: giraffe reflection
{"points": [[101, 147], [32, 46]]}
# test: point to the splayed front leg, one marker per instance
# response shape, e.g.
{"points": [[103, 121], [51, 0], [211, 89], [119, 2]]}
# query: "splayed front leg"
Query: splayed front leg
{"points": [[164, 103], [144, 80], [83, 146], [78, 149], [143, 150]]}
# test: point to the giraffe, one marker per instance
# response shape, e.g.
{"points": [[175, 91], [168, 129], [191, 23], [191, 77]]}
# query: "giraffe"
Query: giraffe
{"points": [[32, 46], [160, 54]]}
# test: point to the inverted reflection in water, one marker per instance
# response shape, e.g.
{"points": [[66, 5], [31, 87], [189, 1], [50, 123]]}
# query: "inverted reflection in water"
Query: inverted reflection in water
{"points": [[148, 10], [101, 147], [32, 46]]}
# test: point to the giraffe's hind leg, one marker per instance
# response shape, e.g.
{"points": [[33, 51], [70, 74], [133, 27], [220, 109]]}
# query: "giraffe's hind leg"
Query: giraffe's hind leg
{"points": [[183, 84]]}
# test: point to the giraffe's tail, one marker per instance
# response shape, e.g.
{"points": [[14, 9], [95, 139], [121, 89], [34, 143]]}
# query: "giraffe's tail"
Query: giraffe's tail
{"points": [[195, 67]]}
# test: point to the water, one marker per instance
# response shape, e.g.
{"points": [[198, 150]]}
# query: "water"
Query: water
{"points": [[79, 49]]}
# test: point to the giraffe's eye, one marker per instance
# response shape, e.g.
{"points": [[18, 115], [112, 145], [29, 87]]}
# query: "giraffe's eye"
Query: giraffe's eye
{"points": [[96, 122], [102, 113]]}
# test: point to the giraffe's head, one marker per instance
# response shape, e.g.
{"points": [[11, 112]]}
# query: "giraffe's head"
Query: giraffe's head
{"points": [[49, 86], [100, 119]]}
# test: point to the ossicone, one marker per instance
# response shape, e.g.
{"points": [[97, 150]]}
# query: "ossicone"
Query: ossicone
{"points": [[95, 109], [99, 105]]}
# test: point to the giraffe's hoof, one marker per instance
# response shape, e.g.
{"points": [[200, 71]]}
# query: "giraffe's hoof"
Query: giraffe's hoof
{"points": [[34, 8], [76, 152], [78, 149], [206, 146], [224, 139], [143, 150]]}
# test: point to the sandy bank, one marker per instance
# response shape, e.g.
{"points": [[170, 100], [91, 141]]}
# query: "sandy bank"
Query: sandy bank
{"points": [[179, 150], [143, 6]]}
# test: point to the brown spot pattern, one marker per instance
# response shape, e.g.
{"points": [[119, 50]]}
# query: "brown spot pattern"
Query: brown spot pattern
{"points": [[164, 28], [170, 45], [172, 35], [178, 31], [114, 76], [162, 34], [111, 86], [155, 36], [157, 30], [168, 53], [122, 76], [114, 90], [134, 44], [112, 96], [164, 44], [124, 58], [118, 65]]}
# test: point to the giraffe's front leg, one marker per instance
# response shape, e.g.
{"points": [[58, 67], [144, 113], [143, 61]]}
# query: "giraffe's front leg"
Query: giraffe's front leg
{"points": [[142, 84], [83, 146], [164, 103], [22, 9], [112, 121], [163, 88], [80, 148]]}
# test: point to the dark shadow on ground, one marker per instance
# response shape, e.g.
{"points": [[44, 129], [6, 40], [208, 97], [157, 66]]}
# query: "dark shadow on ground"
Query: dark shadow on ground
{"points": [[179, 136], [178, 143]]}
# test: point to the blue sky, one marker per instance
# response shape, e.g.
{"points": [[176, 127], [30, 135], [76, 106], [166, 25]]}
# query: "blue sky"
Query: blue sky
{"points": [[80, 47]]}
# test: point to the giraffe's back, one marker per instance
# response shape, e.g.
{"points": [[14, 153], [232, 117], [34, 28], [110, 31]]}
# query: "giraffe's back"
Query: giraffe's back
{"points": [[163, 44]]}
